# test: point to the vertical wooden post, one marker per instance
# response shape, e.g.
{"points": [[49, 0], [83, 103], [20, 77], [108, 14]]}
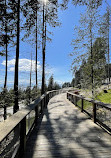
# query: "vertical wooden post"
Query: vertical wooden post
{"points": [[50, 95], [94, 112], [22, 137], [36, 114], [47, 98], [75, 101], [41, 106], [82, 105], [5, 112], [72, 99], [45, 101], [69, 97]]}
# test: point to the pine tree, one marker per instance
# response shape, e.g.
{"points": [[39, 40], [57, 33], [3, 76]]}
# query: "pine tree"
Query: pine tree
{"points": [[96, 3], [7, 33], [30, 10], [86, 35], [16, 106], [50, 17], [51, 83], [104, 33]]}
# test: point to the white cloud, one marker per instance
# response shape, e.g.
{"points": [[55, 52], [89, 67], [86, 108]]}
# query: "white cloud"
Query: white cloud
{"points": [[59, 82], [24, 65]]}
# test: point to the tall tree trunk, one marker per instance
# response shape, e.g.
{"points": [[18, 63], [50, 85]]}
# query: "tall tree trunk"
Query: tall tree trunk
{"points": [[92, 71], [36, 52], [43, 56], [30, 78], [5, 83], [16, 106], [108, 47], [6, 46], [45, 29]]}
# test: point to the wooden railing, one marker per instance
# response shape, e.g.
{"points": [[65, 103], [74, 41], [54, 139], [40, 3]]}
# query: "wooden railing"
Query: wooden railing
{"points": [[15, 130], [98, 111]]}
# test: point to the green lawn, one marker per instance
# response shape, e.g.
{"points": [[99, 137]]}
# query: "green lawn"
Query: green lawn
{"points": [[87, 104], [104, 97]]}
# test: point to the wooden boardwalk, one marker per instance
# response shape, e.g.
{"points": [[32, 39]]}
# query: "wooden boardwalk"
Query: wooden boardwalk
{"points": [[65, 132]]}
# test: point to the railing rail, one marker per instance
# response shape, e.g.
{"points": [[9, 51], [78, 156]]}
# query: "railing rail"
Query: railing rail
{"points": [[98, 111], [20, 124]]}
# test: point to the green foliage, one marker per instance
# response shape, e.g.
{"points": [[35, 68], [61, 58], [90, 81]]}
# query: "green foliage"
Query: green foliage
{"points": [[51, 83], [94, 3], [104, 97], [7, 97], [73, 82], [87, 104], [56, 86], [66, 84], [83, 75], [35, 93], [99, 62]]}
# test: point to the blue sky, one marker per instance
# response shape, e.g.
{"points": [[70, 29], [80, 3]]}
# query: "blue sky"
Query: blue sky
{"points": [[57, 52]]}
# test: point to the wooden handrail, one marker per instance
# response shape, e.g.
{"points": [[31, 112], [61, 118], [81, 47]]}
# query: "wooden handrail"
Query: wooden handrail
{"points": [[19, 119], [95, 105], [107, 106]]}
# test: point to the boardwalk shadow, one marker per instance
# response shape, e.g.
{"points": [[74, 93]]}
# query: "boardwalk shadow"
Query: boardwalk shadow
{"points": [[64, 132]]}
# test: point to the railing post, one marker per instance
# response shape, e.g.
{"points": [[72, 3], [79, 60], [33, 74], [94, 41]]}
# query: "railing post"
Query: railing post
{"points": [[47, 98], [94, 112], [22, 137], [41, 106], [82, 105], [69, 97], [5, 112], [75, 101], [36, 114], [72, 99], [45, 102], [50, 95]]}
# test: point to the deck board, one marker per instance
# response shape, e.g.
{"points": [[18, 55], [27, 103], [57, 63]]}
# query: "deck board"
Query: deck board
{"points": [[65, 132]]}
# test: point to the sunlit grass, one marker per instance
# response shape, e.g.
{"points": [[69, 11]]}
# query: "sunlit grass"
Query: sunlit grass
{"points": [[104, 97], [87, 104]]}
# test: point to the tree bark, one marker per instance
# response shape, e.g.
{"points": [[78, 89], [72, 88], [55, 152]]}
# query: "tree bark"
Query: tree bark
{"points": [[16, 106], [43, 56], [6, 46], [108, 48], [36, 52]]}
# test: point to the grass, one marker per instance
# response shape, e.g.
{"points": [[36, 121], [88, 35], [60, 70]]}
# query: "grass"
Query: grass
{"points": [[87, 104], [104, 97]]}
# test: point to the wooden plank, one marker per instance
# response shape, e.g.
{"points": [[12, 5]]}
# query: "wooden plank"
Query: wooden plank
{"points": [[65, 132]]}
